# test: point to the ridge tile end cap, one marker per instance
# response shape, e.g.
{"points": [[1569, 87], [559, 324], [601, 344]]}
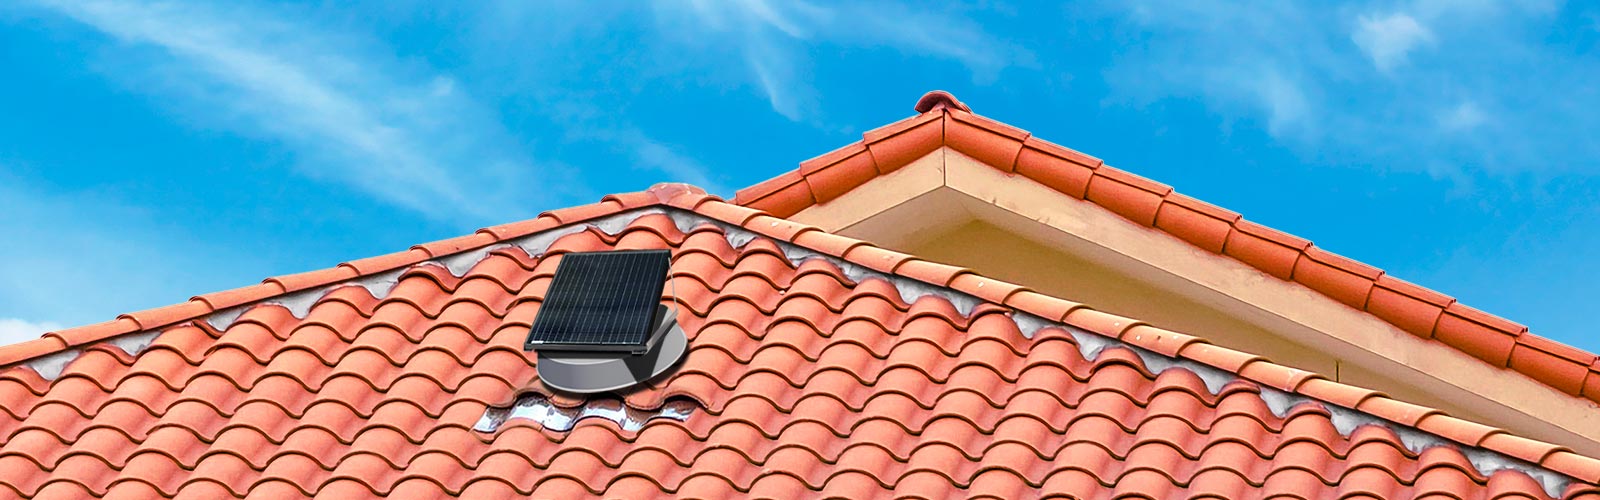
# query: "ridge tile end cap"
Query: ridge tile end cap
{"points": [[939, 99]]}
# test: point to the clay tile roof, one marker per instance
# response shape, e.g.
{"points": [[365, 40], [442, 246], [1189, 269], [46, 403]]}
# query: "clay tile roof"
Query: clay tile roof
{"points": [[944, 121], [818, 366]]}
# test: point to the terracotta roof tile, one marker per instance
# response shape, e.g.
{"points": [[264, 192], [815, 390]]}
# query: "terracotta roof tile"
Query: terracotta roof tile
{"points": [[651, 196], [988, 289], [986, 140], [515, 229], [381, 263], [875, 258], [930, 272], [784, 195], [939, 99], [237, 296], [1484, 337], [1046, 306], [311, 279], [1338, 277], [457, 244], [74, 337], [1555, 364], [579, 213], [1102, 323], [31, 349], [1265, 248], [1127, 195], [1054, 171], [1591, 382], [898, 144], [1412, 308], [834, 174], [782, 229], [1197, 222]]}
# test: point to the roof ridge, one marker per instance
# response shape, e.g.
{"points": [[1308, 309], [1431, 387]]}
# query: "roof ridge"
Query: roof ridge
{"points": [[942, 121]]}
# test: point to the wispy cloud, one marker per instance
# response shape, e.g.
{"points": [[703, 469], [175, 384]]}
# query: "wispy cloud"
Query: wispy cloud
{"points": [[1388, 39], [664, 158], [1236, 60], [354, 115], [773, 40], [584, 121], [1328, 80]]}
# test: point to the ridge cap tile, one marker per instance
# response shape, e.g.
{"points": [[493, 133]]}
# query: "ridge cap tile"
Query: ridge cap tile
{"points": [[1474, 315], [1134, 180], [77, 336], [315, 278], [989, 125], [1397, 285], [31, 348], [449, 246], [1557, 349], [1343, 263], [939, 99], [824, 160], [1203, 207], [1276, 236], [1044, 146], [901, 126]]}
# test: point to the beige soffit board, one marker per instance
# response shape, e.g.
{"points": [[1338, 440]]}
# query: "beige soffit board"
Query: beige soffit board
{"points": [[952, 188]]}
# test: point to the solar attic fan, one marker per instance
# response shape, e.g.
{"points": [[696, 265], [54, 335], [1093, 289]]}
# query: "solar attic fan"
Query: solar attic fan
{"points": [[602, 326]]}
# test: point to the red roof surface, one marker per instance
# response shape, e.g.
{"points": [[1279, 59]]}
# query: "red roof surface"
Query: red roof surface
{"points": [[819, 366], [945, 121]]}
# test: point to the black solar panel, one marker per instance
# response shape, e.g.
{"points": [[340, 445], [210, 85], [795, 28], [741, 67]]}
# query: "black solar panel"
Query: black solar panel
{"points": [[602, 301]]}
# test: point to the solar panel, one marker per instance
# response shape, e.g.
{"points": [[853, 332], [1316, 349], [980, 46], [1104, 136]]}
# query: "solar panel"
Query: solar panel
{"points": [[602, 301]]}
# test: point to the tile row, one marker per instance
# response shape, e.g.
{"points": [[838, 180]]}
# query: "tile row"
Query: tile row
{"points": [[1087, 461]]}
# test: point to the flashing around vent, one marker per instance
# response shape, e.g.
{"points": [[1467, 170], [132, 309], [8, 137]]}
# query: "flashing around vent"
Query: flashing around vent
{"points": [[539, 409]]}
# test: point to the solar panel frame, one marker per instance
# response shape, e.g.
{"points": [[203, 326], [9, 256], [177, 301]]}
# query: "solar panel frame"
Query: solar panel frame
{"points": [[602, 301]]}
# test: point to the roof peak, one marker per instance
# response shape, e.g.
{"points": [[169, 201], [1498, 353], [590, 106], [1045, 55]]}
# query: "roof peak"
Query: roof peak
{"points": [[666, 191], [1424, 313], [936, 99]]}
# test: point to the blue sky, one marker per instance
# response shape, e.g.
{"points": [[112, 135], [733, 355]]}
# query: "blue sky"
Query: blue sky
{"points": [[154, 151]]}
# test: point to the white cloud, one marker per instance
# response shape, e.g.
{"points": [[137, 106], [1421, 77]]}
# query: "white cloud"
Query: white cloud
{"points": [[1285, 101], [1387, 40], [13, 330], [354, 116], [1464, 116]]}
